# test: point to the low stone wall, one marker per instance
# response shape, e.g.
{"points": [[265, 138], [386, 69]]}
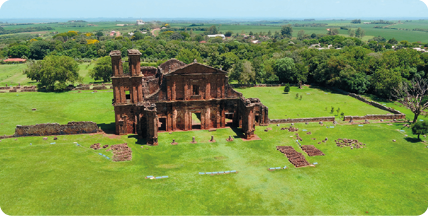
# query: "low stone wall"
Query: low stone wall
{"points": [[375, 104], [56, 129], [375, 117], [302, 120]]}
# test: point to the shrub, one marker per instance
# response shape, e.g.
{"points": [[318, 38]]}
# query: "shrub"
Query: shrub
{"points": [[287, 88]]}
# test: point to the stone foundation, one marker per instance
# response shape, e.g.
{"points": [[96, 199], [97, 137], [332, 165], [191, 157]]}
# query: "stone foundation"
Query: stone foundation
{"points": [[302, 120]]}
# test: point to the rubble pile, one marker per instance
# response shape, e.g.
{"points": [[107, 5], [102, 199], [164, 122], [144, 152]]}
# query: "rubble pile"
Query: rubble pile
{"points": [[96, 146], [296, 158], [121, 152], [349, 143], [312, 151]]}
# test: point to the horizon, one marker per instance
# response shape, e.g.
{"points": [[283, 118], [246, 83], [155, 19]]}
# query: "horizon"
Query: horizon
{"points": [[222, 9]]}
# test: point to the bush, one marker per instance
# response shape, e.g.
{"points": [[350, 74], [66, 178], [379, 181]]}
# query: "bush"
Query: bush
{"points": [[420, 128], [287, 88]]}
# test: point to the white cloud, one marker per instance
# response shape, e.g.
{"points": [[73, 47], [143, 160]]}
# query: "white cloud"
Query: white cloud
{"points": [[2, 2], [425, 1]]}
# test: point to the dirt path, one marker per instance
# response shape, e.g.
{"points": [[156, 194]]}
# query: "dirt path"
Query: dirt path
{"points": [[153, 31]]}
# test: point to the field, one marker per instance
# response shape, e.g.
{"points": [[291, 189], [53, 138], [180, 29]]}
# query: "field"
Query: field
{"points": [[12, 74], [315, 103], [386, 177], [246, 27]]}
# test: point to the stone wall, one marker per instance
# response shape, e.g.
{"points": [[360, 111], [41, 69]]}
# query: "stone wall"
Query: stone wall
{"points": [[255, 85], [56, 129], [375, 117], [375, 104], [302, 120]]}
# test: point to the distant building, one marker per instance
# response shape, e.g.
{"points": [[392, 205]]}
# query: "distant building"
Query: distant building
{"points": [[120, 25], [16, 60], [202, 42], [140, 22], [256, 42], [217, 35], [419, 49], [367, 22]]}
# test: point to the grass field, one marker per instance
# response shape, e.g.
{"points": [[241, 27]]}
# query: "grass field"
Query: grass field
{"points": [[313, 104], [385, 178], [12, 74]]}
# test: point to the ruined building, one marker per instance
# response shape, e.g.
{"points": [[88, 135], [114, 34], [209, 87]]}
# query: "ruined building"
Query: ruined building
{"points": [[149, 100]]}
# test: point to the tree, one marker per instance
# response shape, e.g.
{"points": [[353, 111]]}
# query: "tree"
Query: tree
{"points": [[356, 21], [212, 30], [420, 128], [199, 38], [33, 70], [301, 35], [360, 33], [412, 96], [102, 69], [287, 88], [334, 31], [285, 69], [243, 72], [351, 33], [55, 72], [287, 31], [392, 41], [19, 51], [228, 33], [188, 56], [138, 36], [313, 35], [99, 34]]}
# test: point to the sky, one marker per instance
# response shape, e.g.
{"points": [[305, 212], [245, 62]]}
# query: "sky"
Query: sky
{"points": [[218, 9]]}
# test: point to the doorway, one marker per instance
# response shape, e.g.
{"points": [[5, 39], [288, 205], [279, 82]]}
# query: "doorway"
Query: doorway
{"points": [[162, 124], [196, 121]]}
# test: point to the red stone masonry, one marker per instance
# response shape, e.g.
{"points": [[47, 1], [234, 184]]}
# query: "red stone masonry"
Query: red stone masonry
{"points": [[149, 99]]}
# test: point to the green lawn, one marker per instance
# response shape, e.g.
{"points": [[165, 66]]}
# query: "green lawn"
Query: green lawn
{"points": [[12, 75], [385, 178], [313, 104]]}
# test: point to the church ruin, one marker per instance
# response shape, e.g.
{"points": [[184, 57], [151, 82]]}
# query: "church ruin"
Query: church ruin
{"points": [[149, 100]]}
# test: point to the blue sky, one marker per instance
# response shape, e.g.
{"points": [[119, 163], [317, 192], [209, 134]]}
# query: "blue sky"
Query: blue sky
{"points": [[19, 9]]}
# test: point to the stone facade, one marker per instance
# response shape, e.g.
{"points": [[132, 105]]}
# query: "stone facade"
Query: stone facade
{"points": [[150, 99]]}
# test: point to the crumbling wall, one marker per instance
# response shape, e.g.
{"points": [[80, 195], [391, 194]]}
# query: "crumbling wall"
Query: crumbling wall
{"points": [[375, 104], [302, 120], [56, 129], [375, 117], [149, 71]]}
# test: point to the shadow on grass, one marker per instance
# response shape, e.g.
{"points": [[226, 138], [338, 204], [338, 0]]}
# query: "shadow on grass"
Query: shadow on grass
{"points": [[139, 140], [412, 139], [108, 128], [238, 132]]}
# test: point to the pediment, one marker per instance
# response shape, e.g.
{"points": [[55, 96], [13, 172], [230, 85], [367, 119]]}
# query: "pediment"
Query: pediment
{"points": [[196, 68]]}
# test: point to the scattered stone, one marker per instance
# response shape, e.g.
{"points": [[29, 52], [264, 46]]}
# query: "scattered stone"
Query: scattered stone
{"points": [[277, 125], [95, 91], [173, 142], [306, 123], [212, 139], [268, 129], [45, 138], [194, 140], [309, 133], [105, 146], [321, 123], [96, 146], [394, 140], [381, 120], [79, 92], [349, 143], [55, 138], [367, 121], [34, 109]]}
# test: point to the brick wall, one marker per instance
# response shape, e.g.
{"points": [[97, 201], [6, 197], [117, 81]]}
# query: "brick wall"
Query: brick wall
{"points": [[56, 129]]}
